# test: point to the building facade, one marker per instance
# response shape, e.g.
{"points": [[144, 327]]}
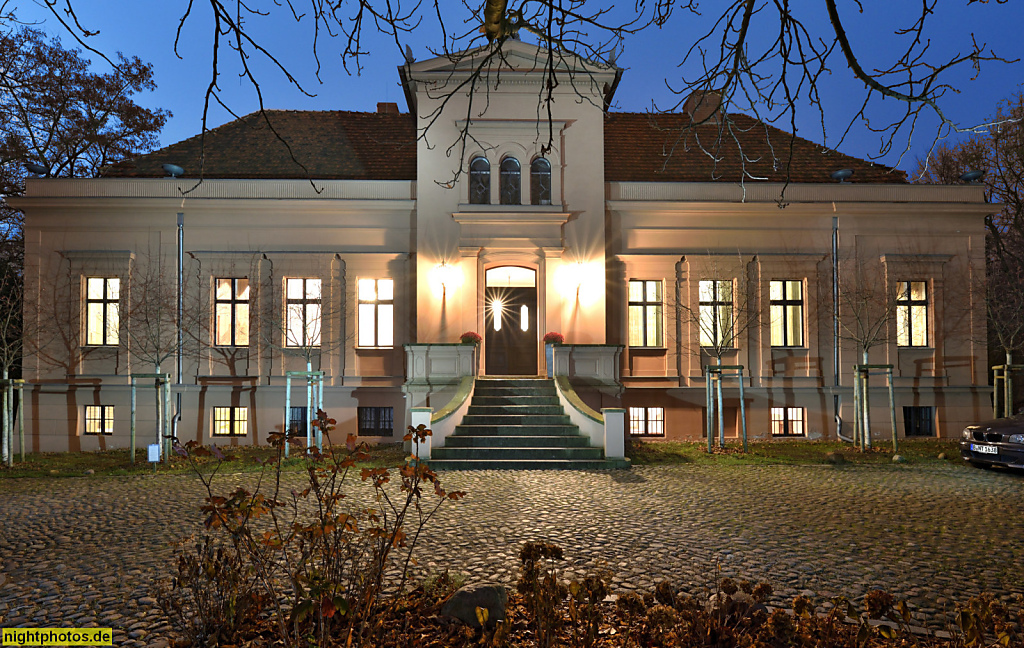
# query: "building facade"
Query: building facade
{"points": [[359, 247]]}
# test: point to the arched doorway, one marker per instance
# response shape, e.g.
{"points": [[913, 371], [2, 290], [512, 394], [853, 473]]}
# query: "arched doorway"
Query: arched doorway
{"points": [[510, 321]]}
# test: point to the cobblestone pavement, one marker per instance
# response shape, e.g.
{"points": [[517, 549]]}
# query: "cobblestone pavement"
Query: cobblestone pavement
{"points": [[89, 551]]}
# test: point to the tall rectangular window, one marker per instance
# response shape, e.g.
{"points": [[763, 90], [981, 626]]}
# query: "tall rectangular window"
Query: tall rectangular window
{"points": [[99, 419], [302, 328], [716, 313], [788, 421], [102, 315], [786, 299], [912, 314], [231, 306], [376, 421], [647, 421], [646, 304], [230, 421], [376, 313]]}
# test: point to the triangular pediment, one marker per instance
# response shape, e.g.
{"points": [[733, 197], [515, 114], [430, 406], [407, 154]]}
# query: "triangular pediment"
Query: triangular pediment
{"points": [[515, 56]]}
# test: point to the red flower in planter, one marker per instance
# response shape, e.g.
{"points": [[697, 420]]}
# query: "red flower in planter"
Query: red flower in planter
{"points": [[554, 337], [470, 337]]}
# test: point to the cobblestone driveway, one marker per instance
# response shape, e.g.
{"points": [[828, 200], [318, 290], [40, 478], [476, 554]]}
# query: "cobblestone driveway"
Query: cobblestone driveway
{"points": [[87, 551]]}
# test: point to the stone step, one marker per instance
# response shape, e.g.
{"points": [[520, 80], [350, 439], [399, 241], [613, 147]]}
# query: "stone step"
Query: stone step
{"points": [[513, 410], [517, 419], [481, 390], [516, 441], [489, 454], [516, 430], [530, 464], [514, 400]]}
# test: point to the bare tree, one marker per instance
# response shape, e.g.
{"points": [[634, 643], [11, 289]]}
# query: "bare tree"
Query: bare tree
{"points": [[724, 311], [11, 342], [723, 58]]}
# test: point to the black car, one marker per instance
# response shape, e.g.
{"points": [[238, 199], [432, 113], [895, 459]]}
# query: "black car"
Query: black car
{"points": [[994, 443]]}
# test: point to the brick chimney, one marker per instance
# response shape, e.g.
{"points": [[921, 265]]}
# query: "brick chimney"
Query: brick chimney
{"points": [[387, 108]]}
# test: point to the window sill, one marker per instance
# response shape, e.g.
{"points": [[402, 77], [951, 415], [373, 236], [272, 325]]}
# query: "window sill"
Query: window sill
{"points": [[916, 348], [648, 348], [789, 348], [89, 347], [384, 348]]}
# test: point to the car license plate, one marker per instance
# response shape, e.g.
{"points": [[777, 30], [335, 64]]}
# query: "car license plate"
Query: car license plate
{"points": [[984, 449]]}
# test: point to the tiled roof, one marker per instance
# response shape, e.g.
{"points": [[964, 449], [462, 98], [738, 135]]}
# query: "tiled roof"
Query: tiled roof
{"points": [[325, 145], [641, 147]]}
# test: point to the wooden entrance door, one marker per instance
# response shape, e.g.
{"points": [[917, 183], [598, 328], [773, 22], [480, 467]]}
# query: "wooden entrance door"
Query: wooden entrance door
{"points": [[511, 331]]}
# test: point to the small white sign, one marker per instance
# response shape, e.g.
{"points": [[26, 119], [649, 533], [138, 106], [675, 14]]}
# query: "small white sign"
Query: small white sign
{"points": [[154, 452]]}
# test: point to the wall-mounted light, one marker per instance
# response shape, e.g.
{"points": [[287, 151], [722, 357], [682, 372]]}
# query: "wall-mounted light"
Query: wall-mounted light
{"points": [[446, 278]]}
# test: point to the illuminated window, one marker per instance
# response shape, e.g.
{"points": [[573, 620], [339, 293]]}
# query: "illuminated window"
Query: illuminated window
{"points": [[540, 182], [99, 419], [231, 306], [302, 325], [912, 314], [716, 313], [376, 421], [102, 315], [510, 182], [647, 421], [230, 421], [376, 313], [788, 421], [480, 181], [787, 313], [645, 314]]}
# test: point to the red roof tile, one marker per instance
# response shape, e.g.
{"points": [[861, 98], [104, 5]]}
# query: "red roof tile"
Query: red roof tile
{"points": [[641, 147], [320, 145]]}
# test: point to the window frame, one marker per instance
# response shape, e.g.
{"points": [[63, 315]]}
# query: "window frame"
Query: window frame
{"points": [[782, 418], [377, 303], [479, 181], [641, 423], [646, 306], [510, 181], [540, 181], [716, 305], [107, 305], [233, 421], [784, 304], [906, 306], [105, 419], [377, 415], [234, 303], [308, 341]]}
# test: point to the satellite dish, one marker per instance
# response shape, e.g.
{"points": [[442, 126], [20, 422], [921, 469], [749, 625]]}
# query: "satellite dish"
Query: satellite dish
{"points": [[38, 169], [173, 170], [841, 175], [971, 175], [702, 105]]}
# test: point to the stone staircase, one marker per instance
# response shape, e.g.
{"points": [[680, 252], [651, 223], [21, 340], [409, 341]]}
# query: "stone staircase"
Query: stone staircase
{"points": [[518, 424]]}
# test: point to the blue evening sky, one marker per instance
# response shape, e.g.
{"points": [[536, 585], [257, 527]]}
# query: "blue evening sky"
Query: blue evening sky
{"points": [[146, 28]]}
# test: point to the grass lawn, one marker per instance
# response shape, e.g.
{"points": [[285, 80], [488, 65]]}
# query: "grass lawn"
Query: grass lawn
{"points": [[790, 452], [115, 462]]}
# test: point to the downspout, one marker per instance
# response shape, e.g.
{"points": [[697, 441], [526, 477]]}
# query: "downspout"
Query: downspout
{"points": [[178, 350], [836, 398]]}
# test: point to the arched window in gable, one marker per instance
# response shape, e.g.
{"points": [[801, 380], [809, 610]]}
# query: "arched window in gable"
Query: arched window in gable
{"points": [[540, 182], [511, 182], [479, 181]]}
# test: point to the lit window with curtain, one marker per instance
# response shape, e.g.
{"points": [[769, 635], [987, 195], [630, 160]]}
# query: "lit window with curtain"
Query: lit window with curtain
{"points": [[102, 311], [912, 314], [646, 307], [647, 421], [230, 421], [480, 181], [716, 313], [231, 307], [510, 182], [786, 299], [99, 419], [302, 326], [788, 421], [540, 182], [376, 313]]}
